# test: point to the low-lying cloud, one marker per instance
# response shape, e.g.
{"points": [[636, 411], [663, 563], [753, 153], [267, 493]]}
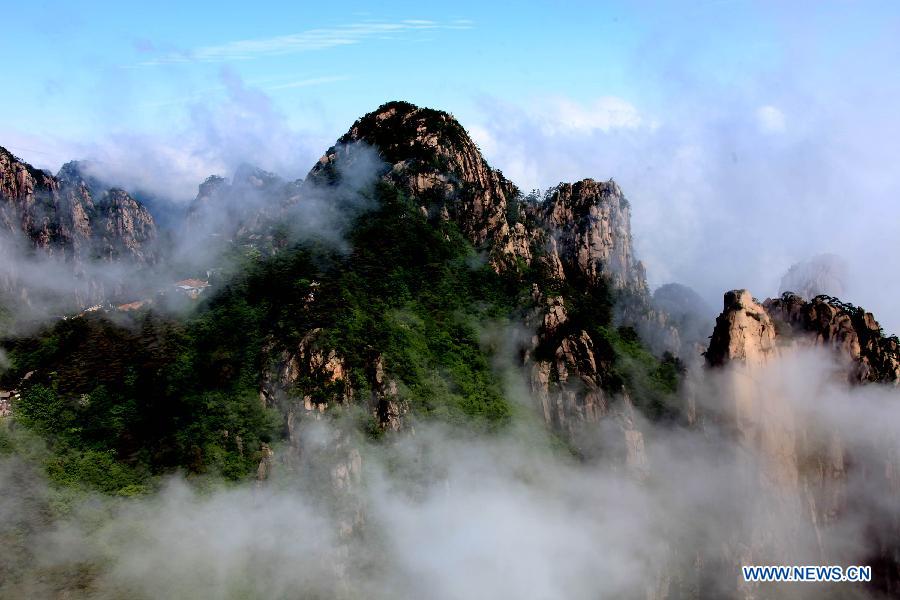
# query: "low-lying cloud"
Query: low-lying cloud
{"points": [[202, 239], [450, 515]]}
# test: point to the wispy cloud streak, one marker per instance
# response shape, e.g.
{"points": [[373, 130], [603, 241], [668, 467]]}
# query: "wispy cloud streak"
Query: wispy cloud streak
{"points": [[304, 41]]}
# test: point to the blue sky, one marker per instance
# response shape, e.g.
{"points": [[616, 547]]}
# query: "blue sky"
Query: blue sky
{"points": [[90, 67], [748, 135], [87, 69]]}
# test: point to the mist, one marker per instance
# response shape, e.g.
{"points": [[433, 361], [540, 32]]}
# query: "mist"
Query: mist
{"points": [[443, 513], [758, 148], [744, 176], [203, 238], [212, 130]]}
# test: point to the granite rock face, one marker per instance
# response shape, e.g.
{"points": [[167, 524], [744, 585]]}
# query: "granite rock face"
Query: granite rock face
{"points": [[590, 222], [303, 382], [748, 330], [124, 228], [68, 216], [75, 229], [850, 330], [744, 331], [430, 156], [806, 466]]}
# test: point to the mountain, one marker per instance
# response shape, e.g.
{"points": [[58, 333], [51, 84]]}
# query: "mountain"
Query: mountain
{"points": [[393, 327], [66, 241], [815, 471], [69, 216], [568, 253], [749, 331], [406, 283]]}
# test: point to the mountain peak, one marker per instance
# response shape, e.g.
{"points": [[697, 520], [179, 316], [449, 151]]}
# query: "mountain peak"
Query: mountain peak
{"points": [[432, 158], [400, 129], [254, 177], [748, 330], [73, 215], [78, 173]]}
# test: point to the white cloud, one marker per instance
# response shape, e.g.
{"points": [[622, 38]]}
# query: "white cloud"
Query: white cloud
{"points": [[564, 116], [307, 82], [303, 41], [724, 193], [771, 119]]}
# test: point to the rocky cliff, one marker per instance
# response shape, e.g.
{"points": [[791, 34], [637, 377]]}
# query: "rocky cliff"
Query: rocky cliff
{"points": [[431, 157], [807, 466], [751, 331], [580, 230], [590, 224], [576, 240], [69, 216], [61, 233]]}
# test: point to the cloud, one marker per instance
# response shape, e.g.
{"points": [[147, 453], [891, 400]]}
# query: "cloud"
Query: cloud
{"points": [[216, 136], [724, 194], [449, 515], [771, 120], [556, 117], [563, 116], [304, 41], [306, 82]]}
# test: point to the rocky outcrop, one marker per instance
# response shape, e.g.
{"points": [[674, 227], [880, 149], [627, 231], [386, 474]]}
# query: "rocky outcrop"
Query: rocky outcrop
{"points": [[850, 330], [66, 223], [68, 216], [806, 468], [303, 382], [385, 403], [124, 228], [569, 378], [590, 222], [744, 331], [431, 157], [34, 204], [751, 331]]}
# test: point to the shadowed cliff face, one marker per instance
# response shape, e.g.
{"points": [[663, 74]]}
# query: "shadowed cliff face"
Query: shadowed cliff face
{"points": [[67, 215], [67, 243]]}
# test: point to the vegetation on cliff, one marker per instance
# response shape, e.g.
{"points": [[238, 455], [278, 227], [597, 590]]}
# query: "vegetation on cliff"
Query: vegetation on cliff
{"points": [[120, 400]]}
